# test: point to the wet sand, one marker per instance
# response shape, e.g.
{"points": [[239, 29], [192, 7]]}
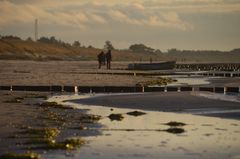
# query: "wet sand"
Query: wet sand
{"points": [[182, 102], [17, 117]]}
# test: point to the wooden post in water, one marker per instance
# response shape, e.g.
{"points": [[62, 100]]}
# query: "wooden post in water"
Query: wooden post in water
{"points": [[11, 89], [75, 89], [179, 89], [143, 89], [225, 90], [90, 91], [165, 89]]}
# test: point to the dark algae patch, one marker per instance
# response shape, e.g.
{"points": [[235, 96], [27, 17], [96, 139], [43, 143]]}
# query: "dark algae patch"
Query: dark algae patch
{"points": [[49, 128], [88, 118], [117, 117], [68, 144], [159, 81], [27, 155], [175, 124], [175, 130], [136, 113], [54, 105], [15, 100], [42, 135]]}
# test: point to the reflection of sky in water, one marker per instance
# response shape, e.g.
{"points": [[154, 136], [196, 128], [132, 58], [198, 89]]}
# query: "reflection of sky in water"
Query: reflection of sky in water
{"points": [[205, 137]]}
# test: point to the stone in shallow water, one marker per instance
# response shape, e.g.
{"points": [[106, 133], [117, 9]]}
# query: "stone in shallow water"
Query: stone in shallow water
{"points": [[118, 117], [175, 124], [175, 130], [136, 113]]}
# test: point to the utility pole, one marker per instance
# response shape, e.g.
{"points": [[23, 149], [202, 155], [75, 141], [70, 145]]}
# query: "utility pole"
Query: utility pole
{"points": [[36, 29]]}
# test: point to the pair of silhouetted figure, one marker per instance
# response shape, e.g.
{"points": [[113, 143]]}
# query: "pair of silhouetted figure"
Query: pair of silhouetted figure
{"points": [[102, 58]]}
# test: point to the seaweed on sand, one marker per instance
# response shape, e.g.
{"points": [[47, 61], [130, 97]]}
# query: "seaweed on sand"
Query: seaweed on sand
{"points": [[42, 134], [88, 118], [159, 81], [54, 105], [15, 100], [68, 144], [27, 155]]}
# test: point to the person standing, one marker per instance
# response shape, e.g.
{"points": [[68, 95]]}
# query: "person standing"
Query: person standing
{"points": [[100, 59], [109, 59]]}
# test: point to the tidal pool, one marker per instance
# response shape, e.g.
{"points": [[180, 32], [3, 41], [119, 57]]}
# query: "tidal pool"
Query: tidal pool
{"points": [[143, 136]]}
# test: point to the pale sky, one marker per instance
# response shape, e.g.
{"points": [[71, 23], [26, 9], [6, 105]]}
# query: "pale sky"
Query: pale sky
{"points": [[161, 24]]}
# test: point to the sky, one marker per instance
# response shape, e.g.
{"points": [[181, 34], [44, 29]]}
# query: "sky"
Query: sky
{"points": [[160, 24]]}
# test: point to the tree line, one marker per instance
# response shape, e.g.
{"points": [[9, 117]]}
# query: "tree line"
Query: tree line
{"points": [[136, 48]]}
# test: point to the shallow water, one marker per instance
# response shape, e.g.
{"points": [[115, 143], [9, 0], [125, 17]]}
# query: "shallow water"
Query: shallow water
{"points": [[141, 137]]}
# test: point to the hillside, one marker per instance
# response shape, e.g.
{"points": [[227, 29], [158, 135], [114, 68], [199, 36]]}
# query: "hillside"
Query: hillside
{"points": [[29, 50], [17, 49]]}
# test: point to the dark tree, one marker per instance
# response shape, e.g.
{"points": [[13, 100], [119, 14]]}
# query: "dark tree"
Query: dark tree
{"points": [[29, 39], [76, 44], [141, 48], [108, 45]]}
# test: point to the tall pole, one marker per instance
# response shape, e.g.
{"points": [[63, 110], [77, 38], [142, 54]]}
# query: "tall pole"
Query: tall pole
{"points": [[36, 29]]}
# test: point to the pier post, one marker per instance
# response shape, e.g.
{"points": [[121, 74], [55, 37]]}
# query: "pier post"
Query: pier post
{"points": [[225, 90], [193, 89], [62, 88], [179, 89], [143, 89], [165, 89], [231, 74], [11, 89], [134, 74], [76, 89]]}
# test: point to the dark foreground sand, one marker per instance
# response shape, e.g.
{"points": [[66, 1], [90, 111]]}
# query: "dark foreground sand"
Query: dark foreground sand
{"points": [[17, 117], [170, 102]]}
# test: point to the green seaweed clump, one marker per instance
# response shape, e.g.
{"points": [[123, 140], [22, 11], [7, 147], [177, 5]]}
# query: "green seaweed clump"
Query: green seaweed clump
{"points": [[15, 100], [88, 118], [118, 117], [54, 105], [27, 155], [175, 124], [159, 82], [136, 113], [47, 134], [68, 144], [36, 96]]}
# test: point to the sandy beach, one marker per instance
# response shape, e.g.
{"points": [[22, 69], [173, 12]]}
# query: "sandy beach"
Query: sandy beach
{"points": [[22, 117], [84, 73]]}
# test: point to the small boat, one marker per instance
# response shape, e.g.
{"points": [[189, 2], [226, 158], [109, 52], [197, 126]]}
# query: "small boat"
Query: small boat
{"points": [[167, 65]]}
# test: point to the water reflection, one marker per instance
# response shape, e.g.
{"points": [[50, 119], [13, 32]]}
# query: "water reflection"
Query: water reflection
{"points": [[146, 136]]}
